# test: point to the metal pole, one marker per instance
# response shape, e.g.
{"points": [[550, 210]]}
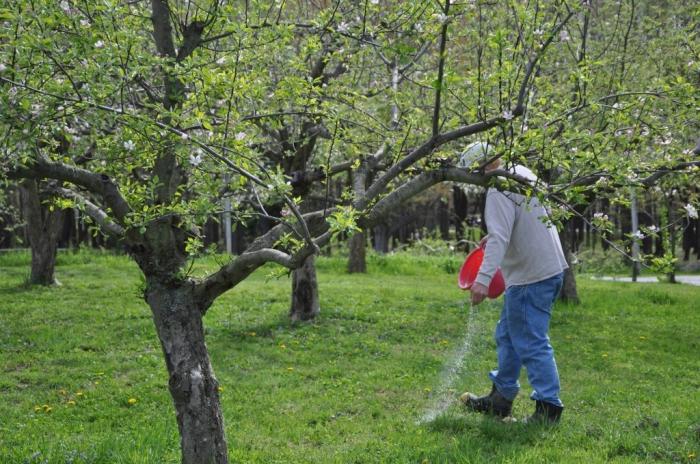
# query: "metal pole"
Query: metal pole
{"points": [[227, 217], [635, 237]]}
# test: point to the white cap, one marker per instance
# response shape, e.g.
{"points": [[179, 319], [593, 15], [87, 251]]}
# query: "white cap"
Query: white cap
{"points": [[522, 171], [477, 152]]}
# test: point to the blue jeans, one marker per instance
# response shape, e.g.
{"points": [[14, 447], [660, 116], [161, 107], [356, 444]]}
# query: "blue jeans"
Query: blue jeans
{"points": [[521, 339]]}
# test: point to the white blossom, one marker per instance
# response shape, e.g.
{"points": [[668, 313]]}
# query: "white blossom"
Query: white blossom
{"points": [[419, 27], [507, 115], [691, 211], [195, 160], [65, 6], [129, 145], [653, 229], [374, 2], [441, 17], [221, 61], [638, 235], [184, 136], [85, 22], [617, 105], [240, 136], [99, 44], [3, 67], [538, 32], [564, 35], [601, 216], [343, 28]]}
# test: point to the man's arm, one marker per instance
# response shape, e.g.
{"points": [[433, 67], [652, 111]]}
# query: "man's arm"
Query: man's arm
{"points": [[500, 218]]}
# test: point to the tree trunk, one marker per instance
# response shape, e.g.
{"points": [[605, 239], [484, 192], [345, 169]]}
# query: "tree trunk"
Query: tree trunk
{"points": [[305, 303], [444, 219], [43, 228], [356, 260], [193, 387], [569, 292], [461, 205], [381, 238]]}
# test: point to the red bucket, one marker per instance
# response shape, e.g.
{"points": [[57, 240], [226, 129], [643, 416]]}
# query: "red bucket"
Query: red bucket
{"points": [[470, 269]]}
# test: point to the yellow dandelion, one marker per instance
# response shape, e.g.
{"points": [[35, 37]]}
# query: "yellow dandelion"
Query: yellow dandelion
{"points": [[290, 369], [46, 407], [220, 388], [62, 392], [37, 408], [79, 394], [70, 403], [605, 355], [427, 389], [97, 382], [132, 401], [642, 337], [691, 455], [283, 346], [252, 334]]}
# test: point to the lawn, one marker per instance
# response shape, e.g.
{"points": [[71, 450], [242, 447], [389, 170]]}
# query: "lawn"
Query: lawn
{"points": [[83, 380]]}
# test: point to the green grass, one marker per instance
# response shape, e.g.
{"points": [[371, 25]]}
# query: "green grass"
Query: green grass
{"points": [[349, 387]]}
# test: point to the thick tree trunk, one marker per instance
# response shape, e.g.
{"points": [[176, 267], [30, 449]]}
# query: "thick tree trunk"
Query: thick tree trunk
{"points": [[43, 228], [356, 260], [193, 387], [569, 292], [305, 303]]}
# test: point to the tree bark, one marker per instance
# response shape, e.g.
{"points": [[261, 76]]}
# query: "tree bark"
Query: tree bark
{"points": [[356, 260], [443, 215], [43, 228], [381, 238], [193, 387], [305, 302], [569, 292], [461, 205]]}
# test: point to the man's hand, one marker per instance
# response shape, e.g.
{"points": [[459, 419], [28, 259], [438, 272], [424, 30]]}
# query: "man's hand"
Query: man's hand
{"points": [[479, 293]]}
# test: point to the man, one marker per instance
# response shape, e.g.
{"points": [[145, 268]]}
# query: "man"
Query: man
{"points": [[532, 262]]}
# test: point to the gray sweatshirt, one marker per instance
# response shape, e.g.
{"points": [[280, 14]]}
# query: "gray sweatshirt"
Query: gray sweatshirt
{"points": [[527, 250]]}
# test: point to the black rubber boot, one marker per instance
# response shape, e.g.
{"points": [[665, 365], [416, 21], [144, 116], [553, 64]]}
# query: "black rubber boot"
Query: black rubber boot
{"points": [[545, 413], [493, 404]]}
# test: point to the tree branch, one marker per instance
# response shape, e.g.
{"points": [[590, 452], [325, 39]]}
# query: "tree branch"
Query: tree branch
{"points": [[98, 215], [99, 184], [241, 267], [441, 70]]}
